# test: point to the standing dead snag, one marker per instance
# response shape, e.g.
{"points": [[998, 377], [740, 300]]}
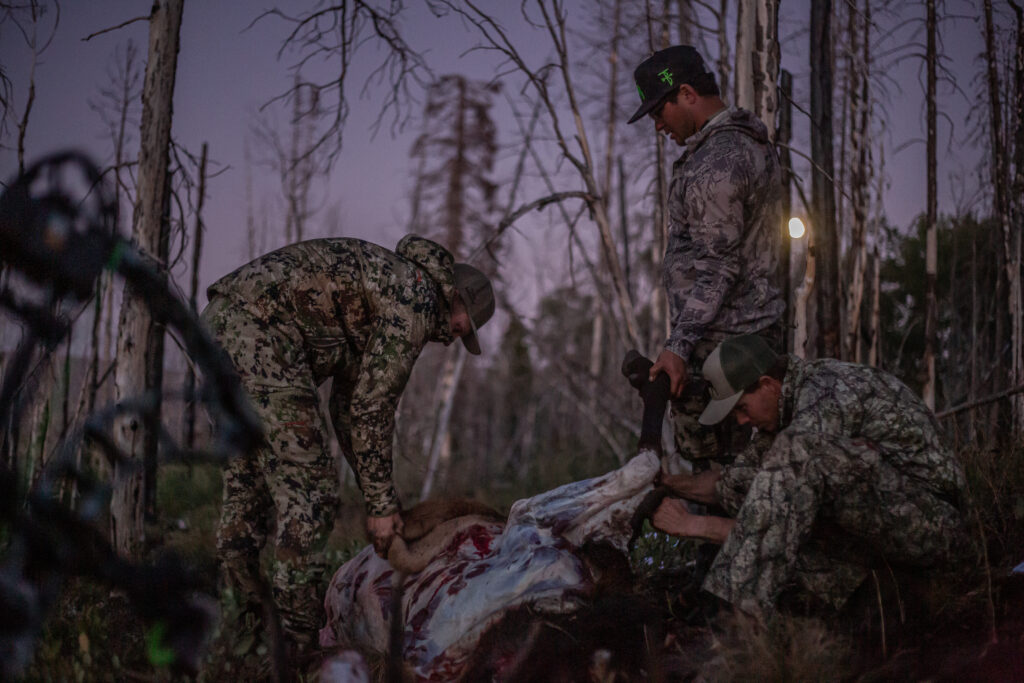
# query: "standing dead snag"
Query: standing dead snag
{"points": [[140, 338]]}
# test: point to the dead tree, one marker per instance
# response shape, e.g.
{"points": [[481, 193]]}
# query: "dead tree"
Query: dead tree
{"points": [[295, 159], [823, 221], [551, 18], [1001, 202], [29, 18], [757, 59], [340, 30], [117, 106], [931, 248], [140, 339], [1016, 241]]}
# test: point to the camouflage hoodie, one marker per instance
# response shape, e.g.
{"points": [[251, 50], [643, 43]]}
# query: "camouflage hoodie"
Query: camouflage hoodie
{"points": [[855, 402], [721, 262], [364, 314]]}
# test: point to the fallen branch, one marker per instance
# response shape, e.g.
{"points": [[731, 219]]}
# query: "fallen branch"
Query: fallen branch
{"points": [[980, 402]]}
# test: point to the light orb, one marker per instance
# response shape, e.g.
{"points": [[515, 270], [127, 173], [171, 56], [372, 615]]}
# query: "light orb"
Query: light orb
{"points": [[796, 228]]}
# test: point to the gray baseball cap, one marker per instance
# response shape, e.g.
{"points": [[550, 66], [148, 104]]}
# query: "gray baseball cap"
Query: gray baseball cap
{"points": [[733, 366], [478, 296]]}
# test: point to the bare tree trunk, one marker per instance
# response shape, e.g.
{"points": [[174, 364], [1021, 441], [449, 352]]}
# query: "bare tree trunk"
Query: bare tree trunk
{"points": [[823, 221], [1016, 236], [803, 295], [783, 137], [197, 250], [685, 10], [440, 443], [931, 248], [757, 59], [1000, 176], [660, 323], [860, 181], [138, 335], [723, 48]]}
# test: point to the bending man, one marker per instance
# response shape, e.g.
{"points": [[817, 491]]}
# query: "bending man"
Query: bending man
{"points": [[846, 469], [327, 308]]}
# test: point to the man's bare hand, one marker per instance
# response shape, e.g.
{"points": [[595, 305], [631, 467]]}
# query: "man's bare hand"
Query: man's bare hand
{"points": [[672, 517], [382, 530], [673, 366]]}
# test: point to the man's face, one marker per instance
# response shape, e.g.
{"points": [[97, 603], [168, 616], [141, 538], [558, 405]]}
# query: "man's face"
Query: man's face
{"points": [[760, 407], [459, 319], [676, 119]]}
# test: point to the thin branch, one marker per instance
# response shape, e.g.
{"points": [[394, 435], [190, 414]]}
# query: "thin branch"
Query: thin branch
{"points": [[114, 28]]}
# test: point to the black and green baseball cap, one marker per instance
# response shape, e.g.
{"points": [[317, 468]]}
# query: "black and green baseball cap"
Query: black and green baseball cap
{"points": [[662, 73], [734, 365]]}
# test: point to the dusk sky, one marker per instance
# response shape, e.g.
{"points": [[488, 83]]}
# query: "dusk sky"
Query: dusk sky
{"points": [[226, 71]]}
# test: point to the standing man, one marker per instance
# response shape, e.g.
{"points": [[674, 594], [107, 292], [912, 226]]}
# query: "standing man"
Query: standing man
{"points": [[847, 472], [291, 319], [720, 266]]}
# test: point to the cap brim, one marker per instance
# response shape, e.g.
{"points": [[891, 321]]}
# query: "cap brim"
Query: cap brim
{"points": [[642, 111], [470, 340], [649, 106], [718, 410]]}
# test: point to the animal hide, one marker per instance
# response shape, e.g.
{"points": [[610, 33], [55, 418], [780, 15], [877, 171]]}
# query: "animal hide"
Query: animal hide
{"points": [[486, 569]]}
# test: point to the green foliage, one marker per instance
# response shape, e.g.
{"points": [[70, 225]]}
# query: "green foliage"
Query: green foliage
{"points": [[965, 256], [93, 636]]}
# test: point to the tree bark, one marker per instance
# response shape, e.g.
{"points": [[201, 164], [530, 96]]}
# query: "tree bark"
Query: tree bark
{"points": [[931, 248], [858, 98], [440, 442], [823, 221], [1016, 226], [783, 137], [139, 337], [757, 59], [197, 252]]}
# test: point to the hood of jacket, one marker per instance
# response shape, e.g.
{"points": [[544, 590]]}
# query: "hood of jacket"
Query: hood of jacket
{"points": [[734, 119], [437, 261]]}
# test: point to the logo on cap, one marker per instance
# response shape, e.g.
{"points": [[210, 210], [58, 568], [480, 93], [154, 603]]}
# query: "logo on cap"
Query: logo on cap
{"points": [[666, 76]]}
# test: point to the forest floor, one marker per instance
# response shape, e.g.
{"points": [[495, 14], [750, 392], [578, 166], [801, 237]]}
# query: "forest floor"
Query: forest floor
{"points": [[969, 627]]}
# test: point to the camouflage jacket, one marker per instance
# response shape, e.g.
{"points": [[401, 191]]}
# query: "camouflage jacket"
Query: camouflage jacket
{"points": [[721, 262], [861, 403], [364, 314]]}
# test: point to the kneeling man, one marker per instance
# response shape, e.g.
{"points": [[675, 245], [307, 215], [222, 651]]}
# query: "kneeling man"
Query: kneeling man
{"points": [[847, 469]]}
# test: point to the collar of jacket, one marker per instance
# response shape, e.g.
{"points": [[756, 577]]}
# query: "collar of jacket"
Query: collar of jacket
{"points": [[729, 119], [787, 397]]}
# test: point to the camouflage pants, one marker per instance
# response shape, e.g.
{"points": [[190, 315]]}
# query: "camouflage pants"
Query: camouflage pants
{"points": [[293, 479], [698, 443], [819, 514]]}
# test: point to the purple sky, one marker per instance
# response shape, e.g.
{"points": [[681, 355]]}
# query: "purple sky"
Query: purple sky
{"points": [[226, 72]]}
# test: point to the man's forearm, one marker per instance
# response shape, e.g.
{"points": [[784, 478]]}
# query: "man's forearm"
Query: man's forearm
{"points": [[699, 488], [711, 528]]}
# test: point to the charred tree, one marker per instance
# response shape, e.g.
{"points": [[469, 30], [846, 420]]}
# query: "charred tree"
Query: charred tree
{"points": [[931, 217], [757, 59], [140, 338], [823, 203]]}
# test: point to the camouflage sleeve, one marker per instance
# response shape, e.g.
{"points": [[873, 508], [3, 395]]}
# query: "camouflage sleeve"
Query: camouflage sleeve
{"points": [[731, 489], [388, 359], [714, 200]]}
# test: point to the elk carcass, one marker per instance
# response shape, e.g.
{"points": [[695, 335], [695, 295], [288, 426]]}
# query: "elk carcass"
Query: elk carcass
{"points": [[484, 569]]}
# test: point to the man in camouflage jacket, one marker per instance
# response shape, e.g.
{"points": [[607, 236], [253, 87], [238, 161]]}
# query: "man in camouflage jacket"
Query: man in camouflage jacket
{"points": [[327, 308], [721, 263], [847, 469]]}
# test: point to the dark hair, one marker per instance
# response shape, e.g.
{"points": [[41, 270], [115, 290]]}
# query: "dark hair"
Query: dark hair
{"points": [[777, 371], [702, 84]]}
